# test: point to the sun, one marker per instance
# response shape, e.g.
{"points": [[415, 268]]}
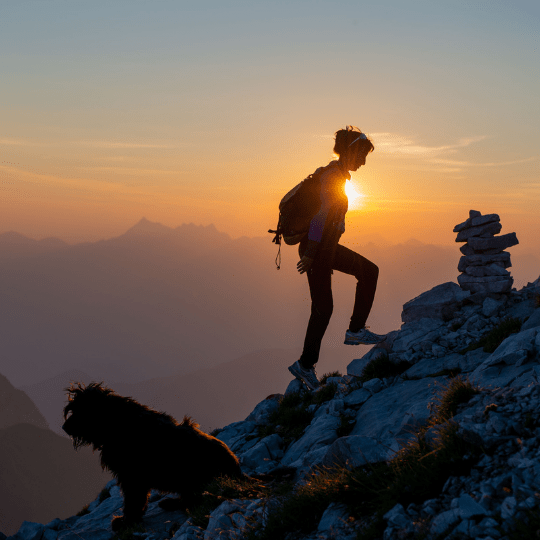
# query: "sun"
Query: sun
{"points": [[356, 199]]}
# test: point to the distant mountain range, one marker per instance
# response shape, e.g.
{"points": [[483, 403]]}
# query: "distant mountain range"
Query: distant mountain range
{"points": [[163, 304], [41, 476]]}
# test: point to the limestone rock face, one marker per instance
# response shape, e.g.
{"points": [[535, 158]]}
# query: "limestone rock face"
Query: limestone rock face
{"points": [[437, 303], [484, 262]]}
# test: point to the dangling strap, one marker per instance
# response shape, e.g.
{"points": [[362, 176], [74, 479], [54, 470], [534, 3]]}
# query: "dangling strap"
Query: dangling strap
{"points": [[277, 240]]}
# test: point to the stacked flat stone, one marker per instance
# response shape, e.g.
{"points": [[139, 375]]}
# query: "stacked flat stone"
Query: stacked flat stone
{"points": [[484, 263]]}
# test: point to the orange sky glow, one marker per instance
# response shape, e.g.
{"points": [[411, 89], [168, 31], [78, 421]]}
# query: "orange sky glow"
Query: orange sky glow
{"points": [[152, 119]]}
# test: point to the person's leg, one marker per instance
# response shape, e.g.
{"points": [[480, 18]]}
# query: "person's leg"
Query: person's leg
{"points": [[366, 273], [320, 288]]}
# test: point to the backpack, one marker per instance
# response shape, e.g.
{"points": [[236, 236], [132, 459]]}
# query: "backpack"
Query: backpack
{"points": [[296, 210]]}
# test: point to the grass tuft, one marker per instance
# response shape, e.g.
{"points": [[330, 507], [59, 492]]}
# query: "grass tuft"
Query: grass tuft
{"points": [[496, 335], [222, 489], [456, 392], [326, 376], [416, 473], [293, 416], [381, 367]]}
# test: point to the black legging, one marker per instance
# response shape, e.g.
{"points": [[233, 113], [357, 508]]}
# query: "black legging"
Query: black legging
{"points": [[322, 304]]}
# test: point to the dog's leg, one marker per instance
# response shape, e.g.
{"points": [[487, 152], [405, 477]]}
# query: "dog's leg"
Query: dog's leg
{"points": [[135, 503]]}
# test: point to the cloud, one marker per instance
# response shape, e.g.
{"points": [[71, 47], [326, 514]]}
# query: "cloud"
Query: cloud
{"points": [[124, 144], [393, 143], [487, 164], [14, 142]]}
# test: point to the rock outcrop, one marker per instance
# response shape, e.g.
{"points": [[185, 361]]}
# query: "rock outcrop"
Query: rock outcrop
{"points": [[484, 263], [358, 420]]}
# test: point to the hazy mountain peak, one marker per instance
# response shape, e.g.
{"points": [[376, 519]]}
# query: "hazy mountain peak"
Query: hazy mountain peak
{"points": [[146, 227], [12, 237]]}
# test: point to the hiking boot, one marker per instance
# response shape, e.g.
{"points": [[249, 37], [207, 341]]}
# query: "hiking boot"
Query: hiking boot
{"points": [[363, 336], [307, 376]]}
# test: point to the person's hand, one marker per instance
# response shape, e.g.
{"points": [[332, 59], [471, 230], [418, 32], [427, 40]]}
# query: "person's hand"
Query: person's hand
{"points": [[304, 264]]}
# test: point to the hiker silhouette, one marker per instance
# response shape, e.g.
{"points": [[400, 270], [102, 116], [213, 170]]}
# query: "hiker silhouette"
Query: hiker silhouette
{"points": [[320, 254]]}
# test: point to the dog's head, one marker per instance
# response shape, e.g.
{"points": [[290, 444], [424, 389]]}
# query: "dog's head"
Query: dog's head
{"points": [[85, 416]]}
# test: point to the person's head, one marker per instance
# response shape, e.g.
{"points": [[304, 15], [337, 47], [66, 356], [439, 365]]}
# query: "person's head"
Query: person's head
{"points": [[352, 146]]}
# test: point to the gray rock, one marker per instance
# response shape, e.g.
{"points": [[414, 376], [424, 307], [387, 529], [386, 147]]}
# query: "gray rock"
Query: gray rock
{"points": [[188, 531], [236, 431], [334, 518], [482, 220], [533, 321], [356, 367], [513, 350], [264, 409], [396, 411], [485, 285], [357, 397], [267, 449], [220, 522], [473, 214], [491, 307], [437, 303], [397, 517], [97, 524], [491, 229], [356, 450], [429, 366], [501, 259], [374, 386], [417, 331], [444, 520], [489, 270], [501, 375], [321, 432], [28, 531], [498, 242], [294, 387], [469, 508], [508, 507]]}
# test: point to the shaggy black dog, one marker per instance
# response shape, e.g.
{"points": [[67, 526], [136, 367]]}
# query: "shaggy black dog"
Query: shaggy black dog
{"points": [[143, 448]]}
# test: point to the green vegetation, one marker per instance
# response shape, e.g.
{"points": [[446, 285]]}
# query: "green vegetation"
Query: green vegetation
{"points": [[326, 376], [416, 473], [496, 335], [293, 416], [222, 489], [381, 367], [455, 393]]}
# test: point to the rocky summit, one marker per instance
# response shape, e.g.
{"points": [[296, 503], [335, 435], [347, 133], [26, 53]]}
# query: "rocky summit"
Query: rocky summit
{"points": [[484, 263], [434, 433]]}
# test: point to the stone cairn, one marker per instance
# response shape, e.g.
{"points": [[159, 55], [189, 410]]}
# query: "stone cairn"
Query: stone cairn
{"points": [[484, 261]]}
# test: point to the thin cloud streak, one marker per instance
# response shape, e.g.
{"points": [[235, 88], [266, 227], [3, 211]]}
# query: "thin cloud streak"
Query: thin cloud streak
{"points": [[488, 164], [109, 144], [393, 143]]}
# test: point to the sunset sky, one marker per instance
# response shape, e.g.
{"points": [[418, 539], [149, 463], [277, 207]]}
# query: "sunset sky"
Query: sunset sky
{"points": [[209, 111]]}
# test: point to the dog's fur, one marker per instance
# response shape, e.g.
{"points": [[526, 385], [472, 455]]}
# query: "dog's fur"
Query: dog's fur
{"points": [[144, 449]]}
